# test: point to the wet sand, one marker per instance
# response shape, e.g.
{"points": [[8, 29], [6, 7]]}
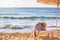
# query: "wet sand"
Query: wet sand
{"points": [[29, 36]]}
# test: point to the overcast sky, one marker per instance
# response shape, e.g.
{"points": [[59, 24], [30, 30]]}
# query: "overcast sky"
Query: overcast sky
{"points": [[22, 3]]}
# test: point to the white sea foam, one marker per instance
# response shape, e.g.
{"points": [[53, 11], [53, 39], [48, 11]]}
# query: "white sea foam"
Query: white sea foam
{"points": [[32, 25]]}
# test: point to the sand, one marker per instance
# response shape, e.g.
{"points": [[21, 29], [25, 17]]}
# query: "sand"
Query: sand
{"points": [[29, 36]]}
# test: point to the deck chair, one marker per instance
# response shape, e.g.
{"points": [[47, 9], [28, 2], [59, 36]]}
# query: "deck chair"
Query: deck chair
{"points": [[41, 26]]}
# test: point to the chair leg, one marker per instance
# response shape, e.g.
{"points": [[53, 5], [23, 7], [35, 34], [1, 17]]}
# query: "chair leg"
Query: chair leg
{"points": [[34, 35], [51, 35], [48, 34]]}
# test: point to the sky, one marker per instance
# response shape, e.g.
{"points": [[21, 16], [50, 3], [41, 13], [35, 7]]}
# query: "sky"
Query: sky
{"points": [[22, 3]]}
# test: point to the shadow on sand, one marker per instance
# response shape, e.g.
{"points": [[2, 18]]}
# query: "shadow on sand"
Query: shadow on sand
{"points": [[48, 38]]}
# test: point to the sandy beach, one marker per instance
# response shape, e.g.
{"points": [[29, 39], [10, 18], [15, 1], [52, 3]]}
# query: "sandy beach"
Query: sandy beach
{"points": [[29, 36]]}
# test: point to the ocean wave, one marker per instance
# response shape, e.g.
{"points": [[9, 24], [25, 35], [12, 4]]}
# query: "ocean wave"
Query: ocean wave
{"points": [[9, 26], [31, 17]]}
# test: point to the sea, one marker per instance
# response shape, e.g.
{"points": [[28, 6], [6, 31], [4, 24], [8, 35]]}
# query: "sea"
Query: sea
{"points": [[25, 19]]}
